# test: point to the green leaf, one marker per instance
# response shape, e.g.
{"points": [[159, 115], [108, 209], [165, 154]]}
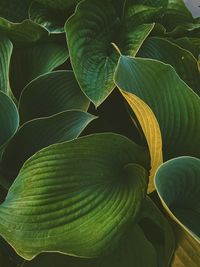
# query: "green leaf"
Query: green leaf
{"points": [[134, 250], [14, 11], [190, 44], [182, 60], [62, 192], [185, 29], [37, 134], [9, 119], [49, 94], [178, 185], [175, 105], [29, 62], [6, 48], [154, 3], [58, 4], [51, 19], [158, 231], [22, 33], [90, 33], [176, 14]]}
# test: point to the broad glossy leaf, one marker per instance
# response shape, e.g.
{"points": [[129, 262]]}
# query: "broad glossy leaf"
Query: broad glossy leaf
{"points": [[37, 134], [178, 185], [158, 231], [29, 62], [90, 32], [49, 94], [182, 60], [14, 11], [51, 19], [151, 130], [64, 191], [9, 119], [134, 250], [155, 3], [6, 48], [175, 105]]}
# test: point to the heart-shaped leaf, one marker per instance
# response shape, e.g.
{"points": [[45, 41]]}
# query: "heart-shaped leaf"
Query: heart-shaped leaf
{"points": [[62, 192], [36, 59], [9, 119], [40, 133], [178, 185], [182, 60], [49, 94], [90, 32], [6, 48], [175, 105]]}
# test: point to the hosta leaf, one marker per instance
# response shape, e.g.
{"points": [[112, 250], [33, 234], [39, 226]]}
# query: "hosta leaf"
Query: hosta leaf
{"points": [[151, 130], [185, 28], [49, 94], [9, 119], [187, 251], [90, 32], [58, 4], [176, 13], [155, 3], [178, 184], [190, 44], [158, 231], [14, 11], [62, 192], [6, 48], [53, 20], [29, 62], [134, 250], [175, 105], [182, 60], [40, 133], [22, 33]]}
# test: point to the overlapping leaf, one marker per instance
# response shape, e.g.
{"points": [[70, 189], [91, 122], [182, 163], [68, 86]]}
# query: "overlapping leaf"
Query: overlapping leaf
{"points": [[6, 48], [29, 62], [60, 91], [40, 133], [90, 32], [175, 105], [9, 119], [15, 11], [64, 191], [182, 60]]}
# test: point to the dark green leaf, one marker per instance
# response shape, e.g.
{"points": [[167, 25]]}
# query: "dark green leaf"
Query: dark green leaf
{"points": [[49, 94], [40, 133], [14, 10], [6, 48], [9, 119], [29, 62], [182, 60]]}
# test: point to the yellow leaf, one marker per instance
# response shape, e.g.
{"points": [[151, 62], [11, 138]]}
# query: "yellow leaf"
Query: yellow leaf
{"points": [[151, 130]]}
